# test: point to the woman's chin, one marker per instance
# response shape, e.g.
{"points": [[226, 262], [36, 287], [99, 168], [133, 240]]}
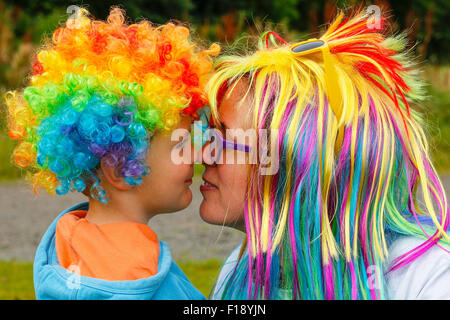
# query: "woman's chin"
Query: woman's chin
{"points": [[207, 213]]}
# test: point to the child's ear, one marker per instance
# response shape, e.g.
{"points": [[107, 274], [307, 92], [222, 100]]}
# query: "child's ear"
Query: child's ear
{"points": [[113, 176]]}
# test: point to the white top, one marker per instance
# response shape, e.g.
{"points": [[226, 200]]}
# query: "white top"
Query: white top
{"points": [[428, 277]]}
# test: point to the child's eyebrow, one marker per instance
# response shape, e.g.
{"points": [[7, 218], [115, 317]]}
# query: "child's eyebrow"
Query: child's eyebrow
{"points": [[182, 139], [187, 134]]}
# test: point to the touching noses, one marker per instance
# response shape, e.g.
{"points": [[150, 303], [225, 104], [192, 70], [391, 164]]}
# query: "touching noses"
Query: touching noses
{"points": [[207, 155]]}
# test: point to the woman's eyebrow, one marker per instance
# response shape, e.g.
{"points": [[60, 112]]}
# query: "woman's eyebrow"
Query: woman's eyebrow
{"points": [[223, 125]]}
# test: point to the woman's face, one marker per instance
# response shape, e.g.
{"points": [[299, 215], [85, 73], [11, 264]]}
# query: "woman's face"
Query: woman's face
{"points": [[225, 185]]}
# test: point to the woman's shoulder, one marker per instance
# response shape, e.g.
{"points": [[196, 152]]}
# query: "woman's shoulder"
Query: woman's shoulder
{"points": [[225, 270], [427, 277]]}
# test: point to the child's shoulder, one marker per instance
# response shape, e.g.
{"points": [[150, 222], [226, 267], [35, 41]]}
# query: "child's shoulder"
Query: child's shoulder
{"points": [[53, 281]]}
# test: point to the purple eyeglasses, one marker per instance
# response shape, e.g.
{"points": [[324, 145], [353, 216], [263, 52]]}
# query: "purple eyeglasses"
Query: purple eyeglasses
{"points": [[221, 143]]}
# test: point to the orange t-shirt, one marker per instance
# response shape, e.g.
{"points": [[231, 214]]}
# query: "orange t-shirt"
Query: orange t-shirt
{"points": [[111, 251]]}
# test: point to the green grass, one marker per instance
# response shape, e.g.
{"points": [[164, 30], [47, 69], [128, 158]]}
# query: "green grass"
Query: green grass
{"points": [[16, 278], [203, 274]]}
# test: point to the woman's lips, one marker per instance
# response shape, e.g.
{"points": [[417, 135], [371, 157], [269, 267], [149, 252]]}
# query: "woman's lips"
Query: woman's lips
{"points": [[189, 181], [207, 186]]}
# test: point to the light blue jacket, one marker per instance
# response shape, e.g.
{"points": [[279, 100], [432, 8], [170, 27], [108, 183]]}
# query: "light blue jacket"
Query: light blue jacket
{"points": [[51, 281]]}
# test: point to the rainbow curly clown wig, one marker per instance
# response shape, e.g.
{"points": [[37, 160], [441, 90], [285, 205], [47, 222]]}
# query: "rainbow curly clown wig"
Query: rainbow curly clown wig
{"points": [[352, 158], [101, 89]]}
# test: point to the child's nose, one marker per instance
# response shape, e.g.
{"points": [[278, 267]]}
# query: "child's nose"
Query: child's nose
{"points": [[194, 156], [198, 154]]}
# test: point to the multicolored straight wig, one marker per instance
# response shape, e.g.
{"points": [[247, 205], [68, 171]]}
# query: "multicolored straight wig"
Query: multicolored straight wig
{"points": [[353, 156], [100, 90]]}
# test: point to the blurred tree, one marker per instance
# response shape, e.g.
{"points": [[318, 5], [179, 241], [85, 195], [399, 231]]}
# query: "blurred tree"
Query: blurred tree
{"points": [[427, 21], [276, 11], [157, 11]]}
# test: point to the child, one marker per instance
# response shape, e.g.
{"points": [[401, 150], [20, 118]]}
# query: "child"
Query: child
{"points": [[96, 118]]}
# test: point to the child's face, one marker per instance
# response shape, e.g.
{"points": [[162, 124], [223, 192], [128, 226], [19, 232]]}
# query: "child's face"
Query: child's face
{"points": [[166, 187]]}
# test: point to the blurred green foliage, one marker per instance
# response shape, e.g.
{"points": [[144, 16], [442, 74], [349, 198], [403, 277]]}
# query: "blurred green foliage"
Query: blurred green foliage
{"points": [[220, 20], [438, 119]]}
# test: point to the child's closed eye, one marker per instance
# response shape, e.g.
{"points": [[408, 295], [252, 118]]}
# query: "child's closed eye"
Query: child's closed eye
{"points": [[183, 142]]}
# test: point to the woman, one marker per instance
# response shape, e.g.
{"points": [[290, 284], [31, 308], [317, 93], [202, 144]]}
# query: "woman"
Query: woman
{"points": [[340, 218]]}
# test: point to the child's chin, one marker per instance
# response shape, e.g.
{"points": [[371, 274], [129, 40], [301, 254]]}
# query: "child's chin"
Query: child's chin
{"points": [[185, 199], [179, 203]]}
